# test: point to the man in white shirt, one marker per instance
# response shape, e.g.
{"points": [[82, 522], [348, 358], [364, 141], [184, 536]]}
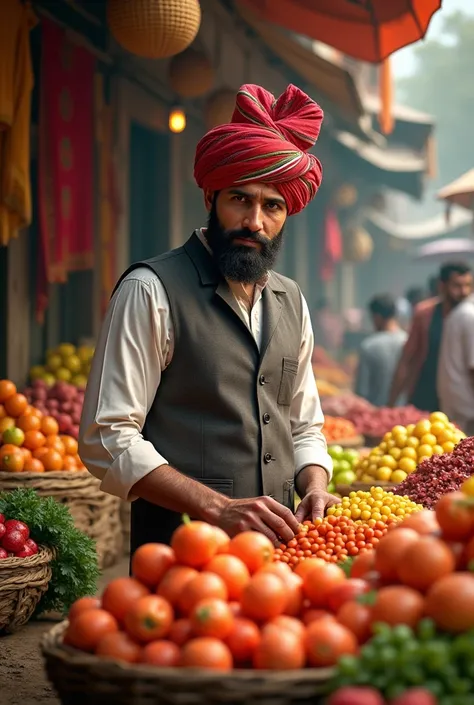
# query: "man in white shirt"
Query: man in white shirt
{"points": [[455, 381], [201, 397]]}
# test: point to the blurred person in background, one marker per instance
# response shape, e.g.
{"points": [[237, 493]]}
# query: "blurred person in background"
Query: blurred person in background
{"points": [[455, 383], [416, 372], [327, 326], [433, 286], [415, 296], [380, 352]]}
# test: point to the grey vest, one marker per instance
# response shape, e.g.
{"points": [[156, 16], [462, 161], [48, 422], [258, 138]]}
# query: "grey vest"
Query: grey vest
{"points": [[222, 411]]}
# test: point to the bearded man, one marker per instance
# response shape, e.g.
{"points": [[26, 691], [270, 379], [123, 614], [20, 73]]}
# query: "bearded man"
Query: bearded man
{"points": [[201, 398]]}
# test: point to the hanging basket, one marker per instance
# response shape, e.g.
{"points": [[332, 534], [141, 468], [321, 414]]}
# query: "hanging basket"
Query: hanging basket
{"points": [[358, 245], [94, 512], [154, 29], [346, 196], [190, 73], [219, 108]]}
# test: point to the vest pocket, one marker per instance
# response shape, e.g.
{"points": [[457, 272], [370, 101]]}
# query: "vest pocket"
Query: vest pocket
{"points": [[288, 379], [289, 494], [224, 486]]}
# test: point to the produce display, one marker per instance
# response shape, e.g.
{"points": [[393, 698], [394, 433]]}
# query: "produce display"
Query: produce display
{"points": [[74, 569], [376, 505], [326, 389], [344, 461], [347, 405], [371, 420], [337, 429], [15, 539], [334, 375], [439, 475], [62, 401], [421, 608], [31, 440], [405, 447], [66, 363]]}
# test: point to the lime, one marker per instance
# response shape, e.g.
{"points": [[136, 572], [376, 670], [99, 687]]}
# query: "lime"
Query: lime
{"points": [[13, 435]]}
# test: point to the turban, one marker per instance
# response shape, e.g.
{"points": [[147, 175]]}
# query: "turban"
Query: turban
{"points": [[267, 141]]}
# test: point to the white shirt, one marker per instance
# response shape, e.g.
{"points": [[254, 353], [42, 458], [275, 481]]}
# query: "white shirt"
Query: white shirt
{"points": [[456, 362], [135, 345]]}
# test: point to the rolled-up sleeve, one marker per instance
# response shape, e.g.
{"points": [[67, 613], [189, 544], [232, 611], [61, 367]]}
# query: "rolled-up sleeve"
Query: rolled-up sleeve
{"points": [[126, 371], [307, 419]]}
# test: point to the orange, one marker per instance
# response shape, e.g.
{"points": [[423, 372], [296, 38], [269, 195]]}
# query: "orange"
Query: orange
{"points": [[33, 465], [70, 444], [34, 440], [39, 452], [36, 412], [28, 422], [27, 454], [69, 462], [6, 422], [16, 405], [3, 413], [13, 461], [49, 426], [52, 460], [7, 389], [7, 448], [53, 441]]}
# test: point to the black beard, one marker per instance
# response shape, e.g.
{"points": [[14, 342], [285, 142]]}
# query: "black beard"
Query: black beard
{"points": [[238, 262]]}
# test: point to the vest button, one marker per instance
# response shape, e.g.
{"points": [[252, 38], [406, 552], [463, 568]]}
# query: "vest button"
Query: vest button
{"points": [[266, 418], [262, 379], [267, 457]]}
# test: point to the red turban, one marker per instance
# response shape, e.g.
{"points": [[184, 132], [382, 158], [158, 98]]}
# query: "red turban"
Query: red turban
{"points": [[266, 141]]}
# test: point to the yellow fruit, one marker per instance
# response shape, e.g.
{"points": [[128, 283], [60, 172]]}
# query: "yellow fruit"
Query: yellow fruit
{"points": [[437, 427], [367, 479], [388, 461], [54, 362], [63, 374], [372, 469], [79, 381], [400, 441], [398, 476], [36, 372], [410, 428], [425, 450], [468, 487], [423, 457], [399, 430], [412, 442], [448, 447], [387, 436], [72, 363], [438, 450], [409, 453], [421, 428], [85, 353], [395, 452], [428, 439], [383, 474], [48, 378], [66, 349], [439, 416], [407, 465], [391, 444]]}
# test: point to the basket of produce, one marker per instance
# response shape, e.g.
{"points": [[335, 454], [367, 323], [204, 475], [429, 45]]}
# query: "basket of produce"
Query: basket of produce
{"points": [[339, 431], [344, 461], [45, 562], [35, 453]]}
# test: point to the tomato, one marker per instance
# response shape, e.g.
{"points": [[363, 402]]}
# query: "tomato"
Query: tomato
{"points": [[253, 548], [243, 640], [397, 604], [326, 641], [174, 581], [121, 594], [206, 652], [149, 618], [312, 615], [86, 631], [194, 543], [212, 617], [119, 647], [455, 515], [357, 618], [223, 540], [304, 568], [423, 522], [151, 561], [204, 585], [161, 653], [264, 597], [280, 649], [344, 592], [181, 631], [390, 552], [82, 605], [284, 622], [450, 602], [319, 583], [233, 572], [294, 594], [424, 562]]}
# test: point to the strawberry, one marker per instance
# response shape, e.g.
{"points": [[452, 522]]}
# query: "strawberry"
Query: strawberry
{"points": [[15, 525], [3, 554], [13, 541]]}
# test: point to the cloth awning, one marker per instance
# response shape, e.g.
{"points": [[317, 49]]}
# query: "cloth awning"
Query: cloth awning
{"points": [[460, 191], [411, 127], [435, 227], [398, 168], [333, 85]]}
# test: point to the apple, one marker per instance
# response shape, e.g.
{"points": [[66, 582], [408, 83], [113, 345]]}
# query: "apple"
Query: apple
{"points": [[355, 695], [346, 477], [335, 452], [13, 541], [351, 456], [3, 530], [64, 421], [25, 552], [415, 696], [32, 545], [3, 553]]}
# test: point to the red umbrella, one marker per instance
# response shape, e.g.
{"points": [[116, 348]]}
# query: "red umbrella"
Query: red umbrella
{"points": [[368, 30]]}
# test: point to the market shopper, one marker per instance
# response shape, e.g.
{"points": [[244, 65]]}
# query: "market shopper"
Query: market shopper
{"points": [[417, 369], [201, 397]]}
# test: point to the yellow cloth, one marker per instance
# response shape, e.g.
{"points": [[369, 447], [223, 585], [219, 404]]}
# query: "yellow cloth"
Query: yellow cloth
{"points": [[16, 85]]}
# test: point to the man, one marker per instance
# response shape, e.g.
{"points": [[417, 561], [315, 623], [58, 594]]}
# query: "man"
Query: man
{"points": [[328, 328], [456, 366], [201, 398], [380, 352], [416, 372]]}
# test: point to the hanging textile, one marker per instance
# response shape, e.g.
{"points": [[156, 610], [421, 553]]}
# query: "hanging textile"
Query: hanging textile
{"points": [[66, 162], [332, 246]]}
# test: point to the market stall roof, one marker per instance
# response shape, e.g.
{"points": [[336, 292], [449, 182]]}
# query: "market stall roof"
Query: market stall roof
{"points": [[400, 168], [459, 192], [435, 227], [440, 250], [411, 127], [332, 82]]}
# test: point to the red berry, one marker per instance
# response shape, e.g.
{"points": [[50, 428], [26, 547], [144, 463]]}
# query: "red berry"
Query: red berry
{"points": [[13, 541], [3, 554], [3, 530], [15, 525]]}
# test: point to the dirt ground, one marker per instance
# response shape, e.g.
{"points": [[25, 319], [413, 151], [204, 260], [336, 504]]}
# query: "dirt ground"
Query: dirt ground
{"points": [[22, 677]]}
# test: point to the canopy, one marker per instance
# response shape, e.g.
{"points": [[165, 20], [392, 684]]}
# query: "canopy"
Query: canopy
{"points": [[440, 250], [460, 224], [460, 192], [411, 127]]}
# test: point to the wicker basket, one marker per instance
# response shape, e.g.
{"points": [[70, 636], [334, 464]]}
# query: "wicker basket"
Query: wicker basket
{"points": [[23, 582], [80, 677], [94, 512]]}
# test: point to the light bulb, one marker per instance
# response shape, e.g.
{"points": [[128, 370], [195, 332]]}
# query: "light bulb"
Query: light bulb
{"points": [[177, 120]]}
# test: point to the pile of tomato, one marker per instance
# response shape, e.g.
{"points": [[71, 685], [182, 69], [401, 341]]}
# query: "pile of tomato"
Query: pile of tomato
{"points": [[333, 539], [337, 429]]}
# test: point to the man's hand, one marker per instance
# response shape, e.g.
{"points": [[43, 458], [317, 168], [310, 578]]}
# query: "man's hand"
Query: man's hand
{"points": [[262, 514], [314, 505]]}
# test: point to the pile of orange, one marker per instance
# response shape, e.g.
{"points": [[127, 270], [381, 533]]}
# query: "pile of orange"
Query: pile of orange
{"points": [[29, 440], [337, 429]]}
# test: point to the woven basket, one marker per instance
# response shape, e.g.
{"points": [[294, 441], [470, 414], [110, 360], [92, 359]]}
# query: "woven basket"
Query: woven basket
{"points": [[94, 512], [23, 582], [80, 677]]}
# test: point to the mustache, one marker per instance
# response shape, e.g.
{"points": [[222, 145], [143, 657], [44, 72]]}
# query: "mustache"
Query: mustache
{"points": [[246, 234]]}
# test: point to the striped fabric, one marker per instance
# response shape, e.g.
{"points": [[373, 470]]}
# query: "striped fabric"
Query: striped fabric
{"points": [[267, 141]]}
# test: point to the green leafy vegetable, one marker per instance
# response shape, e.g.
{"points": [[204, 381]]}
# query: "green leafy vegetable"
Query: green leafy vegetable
{"points": [[75, 567]]}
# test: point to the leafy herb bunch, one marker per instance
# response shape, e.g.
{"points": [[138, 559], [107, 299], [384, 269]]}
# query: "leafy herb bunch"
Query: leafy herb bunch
{"points": [[75, 568]]}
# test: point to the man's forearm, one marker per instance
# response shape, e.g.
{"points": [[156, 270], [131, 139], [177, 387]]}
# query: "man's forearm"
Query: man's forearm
{"points": [[312, 477], [170, 489]]}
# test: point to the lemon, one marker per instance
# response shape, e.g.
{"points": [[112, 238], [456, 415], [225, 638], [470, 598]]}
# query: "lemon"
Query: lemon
{"points": [[407, 465], [428, 439], [437, 428], [412, 442], [425, 451], [448, 446], [36, 372], [421, 428], [396, 452], [445, 436], [387, 436], [63, 374], [410, 428], [438, 416], [367, 479], [383, 474], [398, 476], [438, 450], [382, 446], [388, 461], [399, 430], [409, 453], [66, 349], [54, 362], [372, 469], [73, 363], [468, 487], [400, 441], [423, 457]]}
